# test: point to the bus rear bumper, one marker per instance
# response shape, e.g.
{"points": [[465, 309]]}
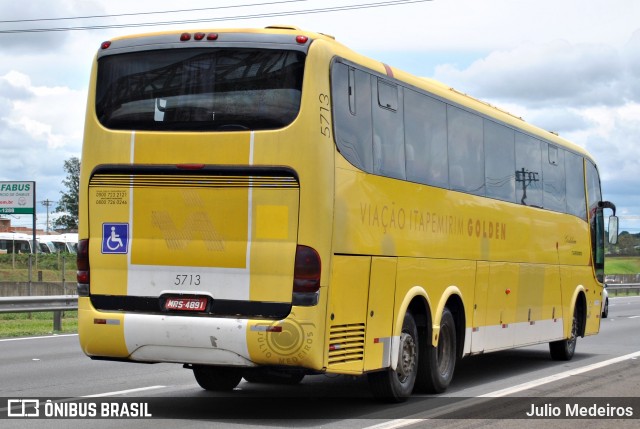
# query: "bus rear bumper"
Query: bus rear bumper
{"points": [[162, 338], [206, 341]]}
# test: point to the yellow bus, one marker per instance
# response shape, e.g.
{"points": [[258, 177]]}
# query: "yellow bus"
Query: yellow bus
{"points": [[268, 204]]}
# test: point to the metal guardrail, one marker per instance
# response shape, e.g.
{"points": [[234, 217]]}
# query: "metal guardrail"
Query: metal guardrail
{"points": [[28, 304], [617, 289]]}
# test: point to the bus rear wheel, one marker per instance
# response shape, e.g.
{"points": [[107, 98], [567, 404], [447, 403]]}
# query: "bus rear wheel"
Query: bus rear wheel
{"points": [[565, 349], [217, 378], [438, 363], [396, 385]]}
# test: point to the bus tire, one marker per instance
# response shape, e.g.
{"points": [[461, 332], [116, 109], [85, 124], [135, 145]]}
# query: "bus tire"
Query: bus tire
{"points": [[605, 311], [396, 385], [217, 378], [565, 349], [437, 364]]}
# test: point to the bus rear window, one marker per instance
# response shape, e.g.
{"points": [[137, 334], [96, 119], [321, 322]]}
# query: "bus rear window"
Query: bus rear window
{"points": [[199, 89]]}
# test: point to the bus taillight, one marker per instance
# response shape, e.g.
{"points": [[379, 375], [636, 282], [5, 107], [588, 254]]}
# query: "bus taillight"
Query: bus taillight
{"points": [[83, 267], [306, 276]]}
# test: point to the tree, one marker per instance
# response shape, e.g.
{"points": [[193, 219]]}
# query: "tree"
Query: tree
{"points": [[68, 204]]}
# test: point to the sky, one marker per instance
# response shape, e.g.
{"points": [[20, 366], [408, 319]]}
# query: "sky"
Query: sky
{"points": [[568, 66]]}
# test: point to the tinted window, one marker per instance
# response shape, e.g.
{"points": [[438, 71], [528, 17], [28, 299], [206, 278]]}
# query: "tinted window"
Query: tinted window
{"points": [[199, 89], [593, 188], [528, 171], [500, 161], [352, 115], [576, 201], [466, 153], [554, 182], [426, 139], [388, 132], [596, 220]]}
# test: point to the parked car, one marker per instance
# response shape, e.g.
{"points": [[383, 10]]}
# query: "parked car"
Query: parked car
{"points": [[605, 302]]}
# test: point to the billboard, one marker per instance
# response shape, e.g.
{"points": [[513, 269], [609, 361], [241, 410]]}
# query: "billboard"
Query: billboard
{"points": [[17, 197]]}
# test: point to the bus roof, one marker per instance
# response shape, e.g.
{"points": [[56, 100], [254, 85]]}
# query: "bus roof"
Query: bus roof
{"points": [[430, 85]]}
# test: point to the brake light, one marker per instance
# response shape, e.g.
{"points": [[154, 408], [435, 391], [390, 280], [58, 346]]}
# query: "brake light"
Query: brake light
{"points": [[306, 276], [83, 273]]}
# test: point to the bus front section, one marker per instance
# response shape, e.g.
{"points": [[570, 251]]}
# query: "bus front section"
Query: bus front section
{"points": [[189, 222]]}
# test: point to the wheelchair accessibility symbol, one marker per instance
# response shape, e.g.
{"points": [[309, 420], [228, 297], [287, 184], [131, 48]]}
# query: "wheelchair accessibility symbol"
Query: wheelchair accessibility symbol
{"points": [[115, 238]]}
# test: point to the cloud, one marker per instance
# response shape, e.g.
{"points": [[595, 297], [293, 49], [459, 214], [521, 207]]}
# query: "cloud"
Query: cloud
{"points": [[589, 93], [40, 127], [552, 74], [38, 14]]}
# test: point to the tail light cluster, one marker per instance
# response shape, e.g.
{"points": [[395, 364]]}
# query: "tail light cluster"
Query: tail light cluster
{"points": [[306, 276], [83, 274]]}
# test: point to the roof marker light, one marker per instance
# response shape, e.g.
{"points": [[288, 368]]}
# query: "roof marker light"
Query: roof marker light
{"points": [[212, 36], [105, 45], [198, 36], [185, 37], [302, 39]]}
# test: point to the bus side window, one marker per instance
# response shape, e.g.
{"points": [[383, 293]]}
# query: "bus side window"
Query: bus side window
{"points": [[425, 122], [554, 182], [466, 151], [500, 161], [528, 170], [388, 131], [352, 122], [576, 200]]}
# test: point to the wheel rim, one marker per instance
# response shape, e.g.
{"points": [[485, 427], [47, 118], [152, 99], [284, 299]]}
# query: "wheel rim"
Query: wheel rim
{"points": [[407, 363]]}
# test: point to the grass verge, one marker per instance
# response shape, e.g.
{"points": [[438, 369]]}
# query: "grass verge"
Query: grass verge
{"points": [[34, 324]]}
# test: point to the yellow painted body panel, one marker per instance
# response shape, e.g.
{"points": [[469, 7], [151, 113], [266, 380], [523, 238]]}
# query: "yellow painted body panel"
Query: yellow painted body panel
{"points": [[100, 339], [380, 315], [190, 227]]}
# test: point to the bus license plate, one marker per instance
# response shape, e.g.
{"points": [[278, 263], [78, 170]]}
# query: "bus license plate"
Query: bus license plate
{"points": [[186, 304]]}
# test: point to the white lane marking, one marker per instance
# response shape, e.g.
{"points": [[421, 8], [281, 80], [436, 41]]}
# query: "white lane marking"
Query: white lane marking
{"points": [[634, 317], [393, 424], [38, 338], [398, 423], [123, 392], [560, 376]]}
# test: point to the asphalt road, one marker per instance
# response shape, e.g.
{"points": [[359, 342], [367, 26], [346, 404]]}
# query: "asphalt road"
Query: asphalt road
{"points": [[487, 391]]}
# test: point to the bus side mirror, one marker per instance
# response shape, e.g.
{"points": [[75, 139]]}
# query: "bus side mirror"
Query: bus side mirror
{"points": [[613, 229]]}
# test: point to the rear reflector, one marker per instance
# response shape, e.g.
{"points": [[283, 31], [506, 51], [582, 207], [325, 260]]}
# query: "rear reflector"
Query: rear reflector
{"points": [[190, 166]]}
